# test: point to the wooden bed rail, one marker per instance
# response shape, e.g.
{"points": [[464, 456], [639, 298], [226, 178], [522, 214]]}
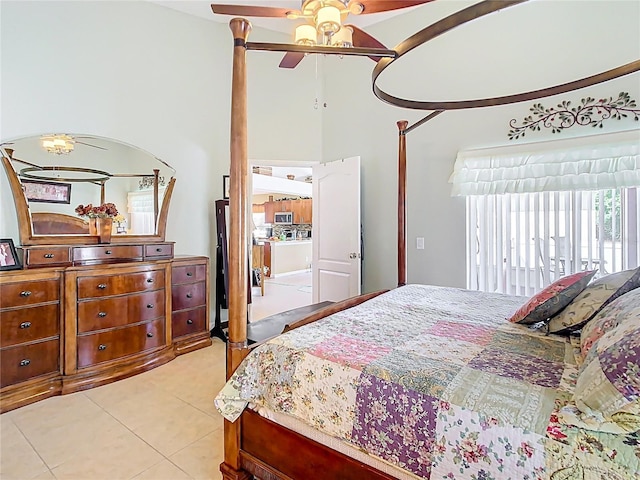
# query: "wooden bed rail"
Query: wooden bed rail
{"points": [[331, 309]]}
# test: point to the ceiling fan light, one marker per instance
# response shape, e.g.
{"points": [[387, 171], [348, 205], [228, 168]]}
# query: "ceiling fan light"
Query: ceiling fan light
{"points": [[342, 38], [328, 19], [58, 144], [306, 35]]}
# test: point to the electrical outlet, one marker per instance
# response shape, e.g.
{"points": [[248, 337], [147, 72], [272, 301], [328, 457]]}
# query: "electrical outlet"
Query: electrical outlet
{"points": [[420, 243]]}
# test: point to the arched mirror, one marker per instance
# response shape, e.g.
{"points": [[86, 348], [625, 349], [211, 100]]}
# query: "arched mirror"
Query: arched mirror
{"points": [[51, 175]]}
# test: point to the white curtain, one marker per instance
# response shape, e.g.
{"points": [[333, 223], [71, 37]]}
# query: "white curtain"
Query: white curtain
{"points": [[585, 163], [140, 209]]}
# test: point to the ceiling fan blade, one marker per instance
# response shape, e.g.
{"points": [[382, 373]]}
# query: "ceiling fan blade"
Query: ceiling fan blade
{"points": [[376, 6], [249, 11], [291, 60], [363, 39]]}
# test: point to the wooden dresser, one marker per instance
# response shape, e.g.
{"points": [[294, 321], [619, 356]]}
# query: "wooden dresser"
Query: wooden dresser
{"points": [[30, 336], [101, 314], [189, 303]]}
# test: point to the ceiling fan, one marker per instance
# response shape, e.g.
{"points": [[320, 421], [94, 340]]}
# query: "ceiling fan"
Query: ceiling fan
{"points": [[324, 22]]}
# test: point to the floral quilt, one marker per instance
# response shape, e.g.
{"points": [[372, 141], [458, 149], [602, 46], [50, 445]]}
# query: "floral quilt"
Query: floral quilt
{"points": [[435, 381]]}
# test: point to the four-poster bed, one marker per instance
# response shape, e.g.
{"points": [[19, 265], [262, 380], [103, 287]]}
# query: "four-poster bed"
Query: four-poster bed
{"points": [[270, 448]]}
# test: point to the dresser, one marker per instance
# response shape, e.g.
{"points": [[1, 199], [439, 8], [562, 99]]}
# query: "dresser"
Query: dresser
{"points": [[189, 306], [97, 317], [30, 335]]}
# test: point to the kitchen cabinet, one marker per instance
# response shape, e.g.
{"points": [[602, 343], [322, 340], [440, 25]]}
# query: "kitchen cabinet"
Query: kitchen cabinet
{"points": [[269, 210], [302, 210]]}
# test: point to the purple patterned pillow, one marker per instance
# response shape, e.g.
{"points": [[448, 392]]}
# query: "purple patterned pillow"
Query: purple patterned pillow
{"points": [[546, 303], [608, 385]]}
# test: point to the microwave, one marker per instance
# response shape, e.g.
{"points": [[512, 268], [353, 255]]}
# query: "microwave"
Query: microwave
{"points": [[283, 218]]}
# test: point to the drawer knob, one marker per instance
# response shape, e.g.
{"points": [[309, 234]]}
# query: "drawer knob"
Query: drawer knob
{"points": [[48, 255], [25, 324], [189, 295], [102, 347], [102, 314], [189, 322], [149, 280], [149, 334], [189, 274], [25, 293], [149, 305], [158, 249], [25, 362], [107, 252], [102, 286]]}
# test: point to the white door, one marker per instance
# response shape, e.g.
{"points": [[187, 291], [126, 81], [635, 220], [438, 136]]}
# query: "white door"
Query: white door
{"points": [[336, 268]]}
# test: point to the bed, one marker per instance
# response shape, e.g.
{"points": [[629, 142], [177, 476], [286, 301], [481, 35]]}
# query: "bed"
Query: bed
{"points": [[481, 397], [443, 387]]}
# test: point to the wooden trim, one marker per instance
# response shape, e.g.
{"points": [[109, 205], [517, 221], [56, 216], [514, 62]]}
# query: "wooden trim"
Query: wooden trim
{"points": [[402, 202], [331, 309]]}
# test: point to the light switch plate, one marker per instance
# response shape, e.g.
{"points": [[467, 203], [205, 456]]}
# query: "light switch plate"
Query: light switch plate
{"points": [[420, 243]]}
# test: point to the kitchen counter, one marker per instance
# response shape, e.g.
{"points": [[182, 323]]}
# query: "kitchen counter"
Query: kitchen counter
{"points": [[288, 242], [287, 256]]}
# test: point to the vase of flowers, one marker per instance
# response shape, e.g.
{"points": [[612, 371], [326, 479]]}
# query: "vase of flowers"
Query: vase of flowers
{"points": [[100, 219]]}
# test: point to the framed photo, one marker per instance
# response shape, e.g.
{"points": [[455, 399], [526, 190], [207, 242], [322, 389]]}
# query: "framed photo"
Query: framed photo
{"points": [[47, 192], [225, 187], [8, 256]]}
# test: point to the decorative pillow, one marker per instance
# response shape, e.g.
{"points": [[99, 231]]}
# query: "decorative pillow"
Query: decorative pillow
{"points": [[552, 299], [608, 385], [593, 298], [609, 318]]}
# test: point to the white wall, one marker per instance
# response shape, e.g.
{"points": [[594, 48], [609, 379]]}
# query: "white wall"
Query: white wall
{"points": [[511, 52], [161, 80], [154, 78]]}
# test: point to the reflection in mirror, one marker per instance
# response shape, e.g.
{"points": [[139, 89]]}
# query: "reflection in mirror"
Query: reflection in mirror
{"points": [[59, 172]]}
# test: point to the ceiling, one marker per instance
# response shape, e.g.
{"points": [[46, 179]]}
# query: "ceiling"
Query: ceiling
{"points": [[201, 8]]}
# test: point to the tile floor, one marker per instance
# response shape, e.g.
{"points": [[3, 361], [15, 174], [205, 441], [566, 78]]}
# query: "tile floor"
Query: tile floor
{"points": [[158, 425]]}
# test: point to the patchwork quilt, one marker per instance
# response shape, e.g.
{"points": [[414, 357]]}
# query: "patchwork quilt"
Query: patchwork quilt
{"points": [[437, 382]]}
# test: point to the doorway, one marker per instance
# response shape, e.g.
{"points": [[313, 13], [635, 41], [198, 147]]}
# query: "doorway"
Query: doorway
{"points": [[286, 247]]}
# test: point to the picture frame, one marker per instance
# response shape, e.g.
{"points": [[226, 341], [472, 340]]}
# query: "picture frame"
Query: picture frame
{"points": [[225, 187], [47, 192], [9, 259]]}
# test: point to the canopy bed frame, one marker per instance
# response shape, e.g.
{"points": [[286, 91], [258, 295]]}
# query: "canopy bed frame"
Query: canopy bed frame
{"points": [[256, 446]]}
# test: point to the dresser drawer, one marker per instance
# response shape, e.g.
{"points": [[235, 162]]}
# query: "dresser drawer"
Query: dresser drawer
{"points": [[188, 322], [29, 324], [189, 295], [158, 250], [21, 294], [111, 344], [107, 253], [23, 362], [40, 257], [106, 285], [119, 311], [188, 273]]}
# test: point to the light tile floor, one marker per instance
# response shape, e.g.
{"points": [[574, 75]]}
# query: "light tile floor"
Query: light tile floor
{"points": [[157, 425]]}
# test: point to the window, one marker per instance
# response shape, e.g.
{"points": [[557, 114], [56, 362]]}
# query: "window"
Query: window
{"points": [[536, 212], [518, 243]]}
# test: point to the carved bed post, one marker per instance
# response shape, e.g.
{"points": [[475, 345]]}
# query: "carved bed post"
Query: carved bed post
{"points": [[238, 259], [402, 203]]}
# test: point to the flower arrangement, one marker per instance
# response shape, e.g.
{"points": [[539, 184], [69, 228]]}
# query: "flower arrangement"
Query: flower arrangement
{"points": [[106, 210]]}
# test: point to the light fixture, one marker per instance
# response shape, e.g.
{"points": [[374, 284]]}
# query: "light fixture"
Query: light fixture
{"points": [[342, 38], [306, 35], [327, 19], [59, 144]]}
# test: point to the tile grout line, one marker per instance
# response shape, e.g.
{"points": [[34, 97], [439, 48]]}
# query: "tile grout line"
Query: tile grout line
{"points": [[33, 447]]}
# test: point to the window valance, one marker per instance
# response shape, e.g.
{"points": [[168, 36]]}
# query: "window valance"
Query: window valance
{"points": [[584, 163]]}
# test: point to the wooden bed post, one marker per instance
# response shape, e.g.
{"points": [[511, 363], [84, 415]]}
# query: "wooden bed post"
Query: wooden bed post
{"points": [[238, 259], [402, 203]]}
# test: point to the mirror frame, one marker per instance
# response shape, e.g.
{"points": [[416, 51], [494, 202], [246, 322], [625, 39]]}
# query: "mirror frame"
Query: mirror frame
{"points": [[25, 225]]}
